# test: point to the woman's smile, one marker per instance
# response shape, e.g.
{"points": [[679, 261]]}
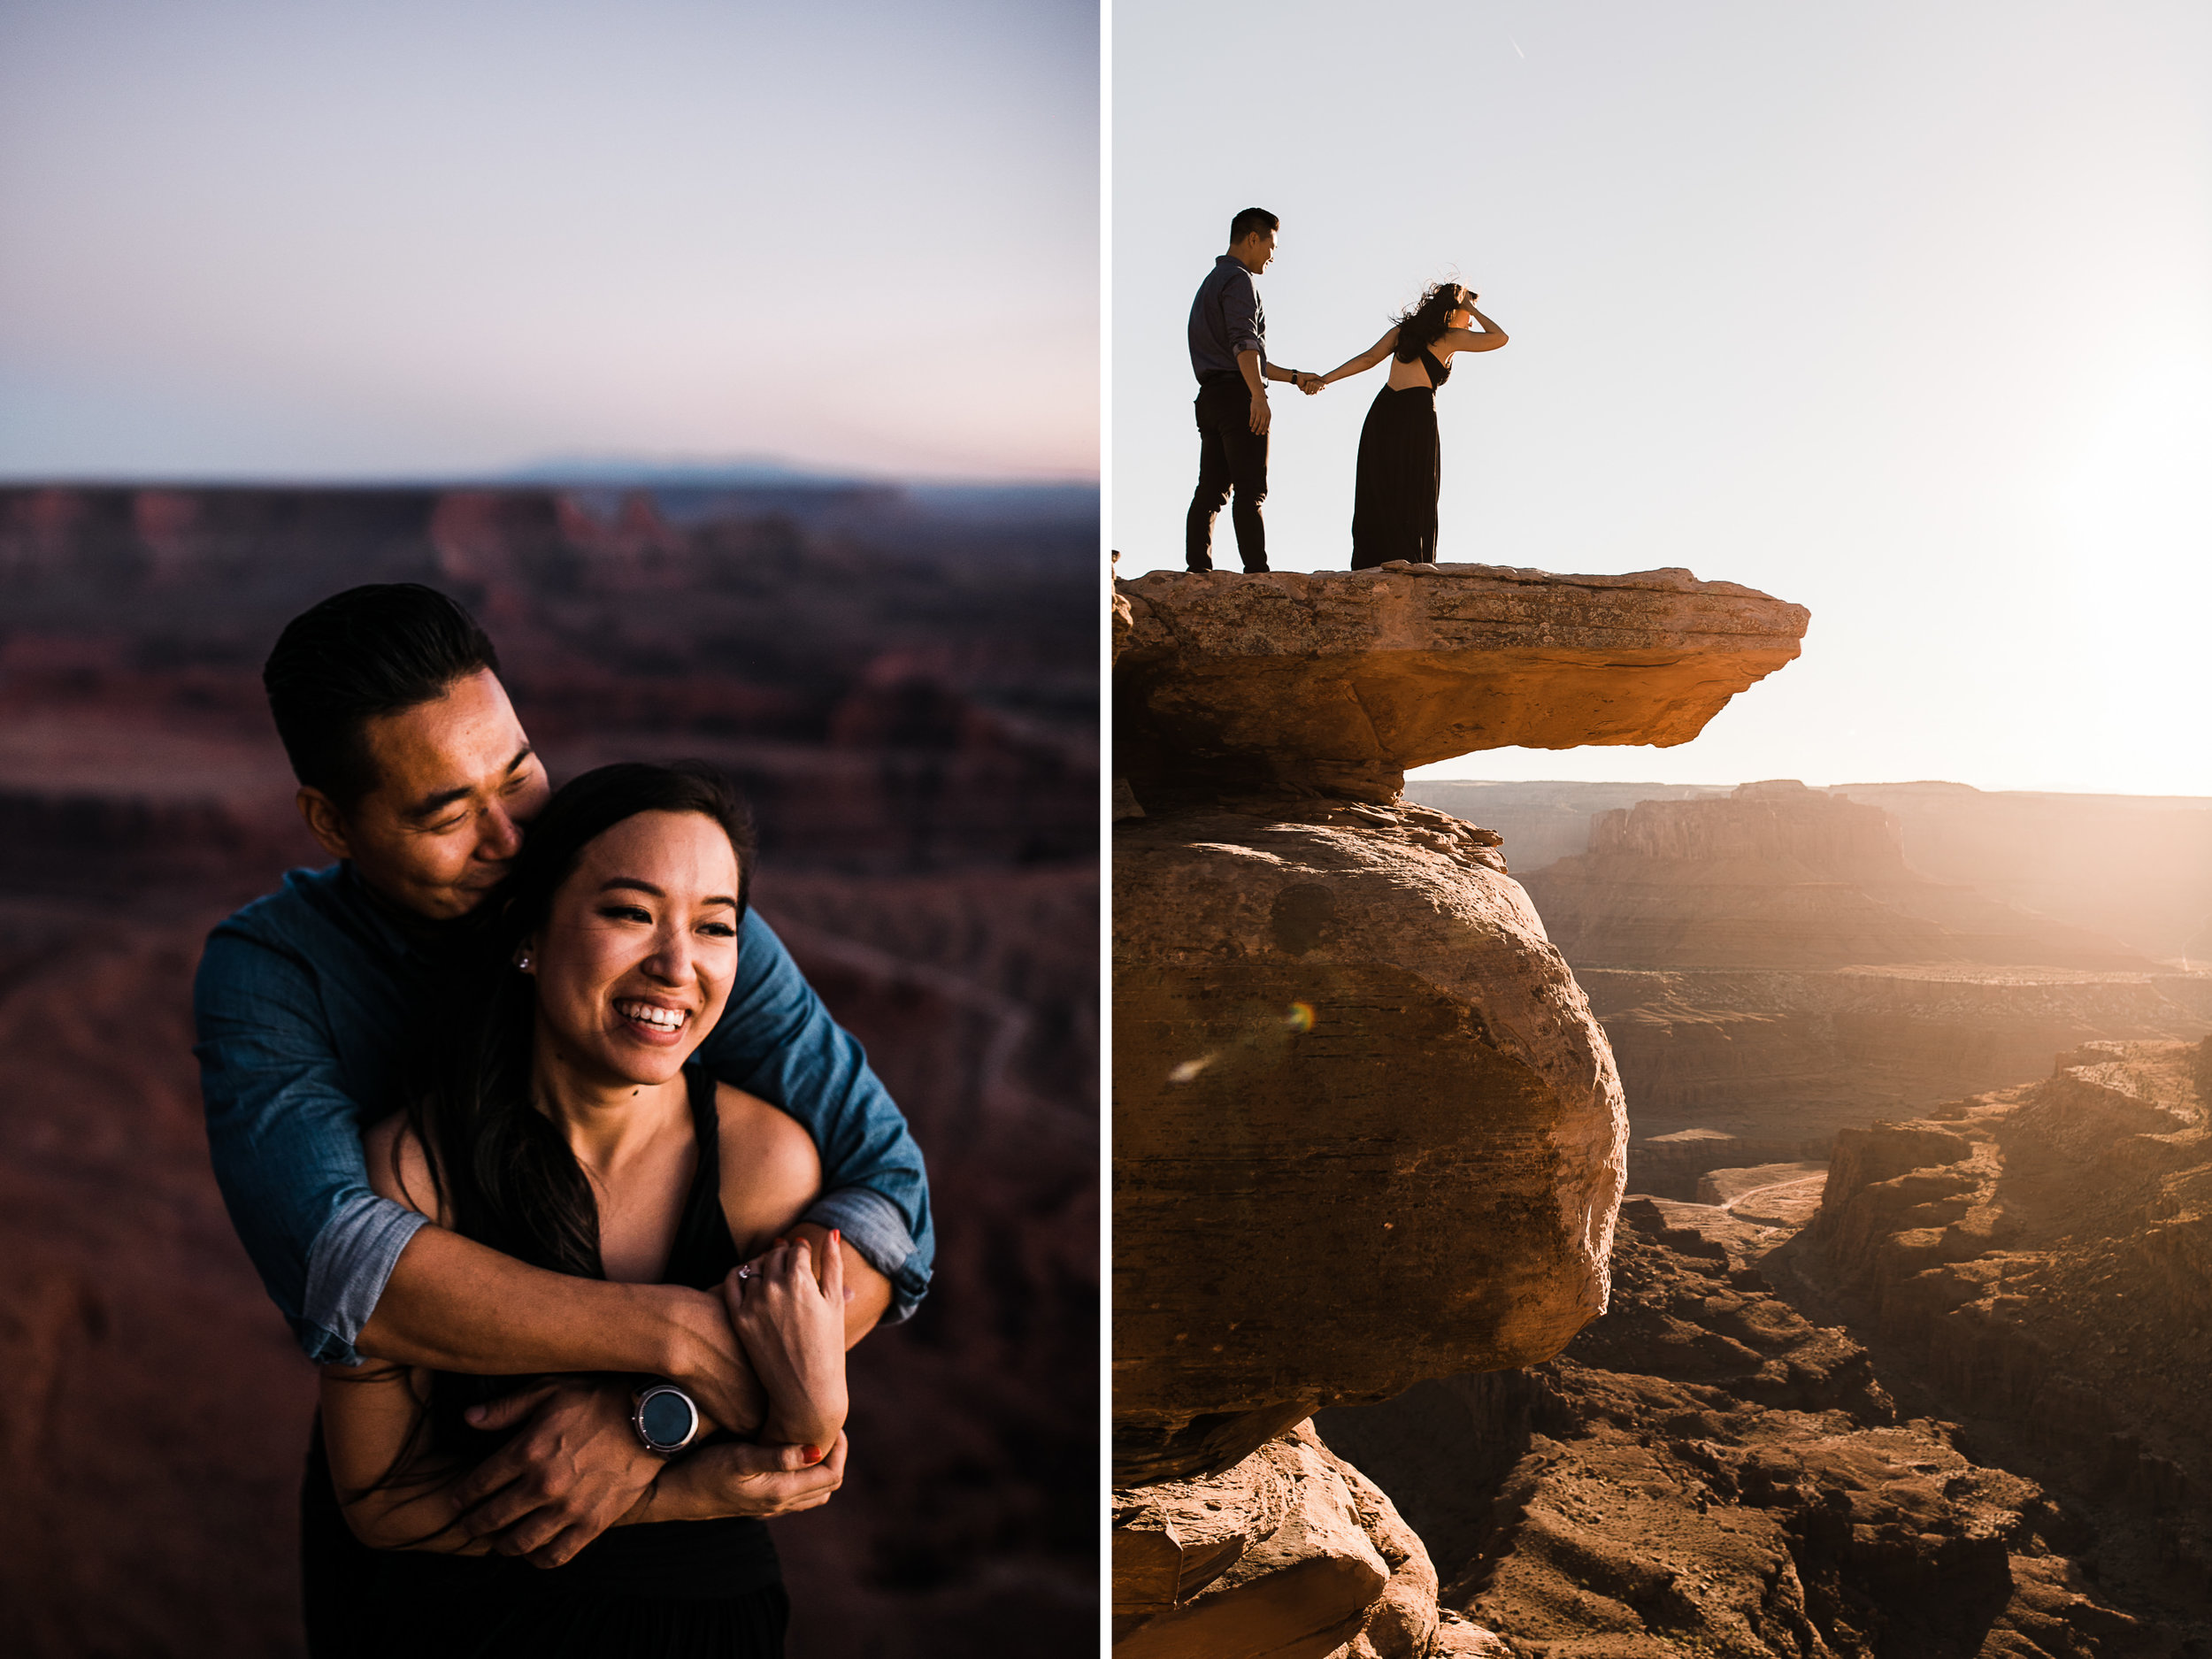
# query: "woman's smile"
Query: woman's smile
{"points": [[651, 1022]]}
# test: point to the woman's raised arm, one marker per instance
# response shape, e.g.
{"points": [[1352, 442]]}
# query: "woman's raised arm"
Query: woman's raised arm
{"points": [[1365, 361], [1467, 340]]}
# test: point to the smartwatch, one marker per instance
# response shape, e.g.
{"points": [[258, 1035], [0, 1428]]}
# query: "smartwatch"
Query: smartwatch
{"points": [[665, 1418]]}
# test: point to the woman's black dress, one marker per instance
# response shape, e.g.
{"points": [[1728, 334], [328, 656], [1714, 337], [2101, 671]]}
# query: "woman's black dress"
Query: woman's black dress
{"points": [[668, 1590], [1401, 470]]}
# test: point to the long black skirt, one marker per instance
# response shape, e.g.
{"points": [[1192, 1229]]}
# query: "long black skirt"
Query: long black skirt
{"points": [[1401, 470]]}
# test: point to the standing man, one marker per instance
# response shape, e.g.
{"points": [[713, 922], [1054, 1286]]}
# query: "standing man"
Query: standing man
{"points": [[1228, 354]]}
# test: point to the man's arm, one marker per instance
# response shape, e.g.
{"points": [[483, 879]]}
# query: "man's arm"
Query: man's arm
{"points": [[453, 1304], [776, 1040], [349, 1267]]}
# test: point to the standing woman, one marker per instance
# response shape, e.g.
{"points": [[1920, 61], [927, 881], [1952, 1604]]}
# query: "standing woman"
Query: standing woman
{"points": [[1400, 462]]}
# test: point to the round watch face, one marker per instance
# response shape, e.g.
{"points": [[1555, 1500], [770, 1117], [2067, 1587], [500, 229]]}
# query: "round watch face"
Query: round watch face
{"points": [[667, 1417]]}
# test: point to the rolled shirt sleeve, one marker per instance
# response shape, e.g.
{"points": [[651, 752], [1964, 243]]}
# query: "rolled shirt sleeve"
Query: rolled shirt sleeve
{"points": [[284, 1137], [776, 1039]]}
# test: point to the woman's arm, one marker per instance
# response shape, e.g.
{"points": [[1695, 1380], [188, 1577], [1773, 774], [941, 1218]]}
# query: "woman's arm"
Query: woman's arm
{"points": [[793, 1326], [1468, 340], [794, 1337], [1365, 361], [393, 1493]]}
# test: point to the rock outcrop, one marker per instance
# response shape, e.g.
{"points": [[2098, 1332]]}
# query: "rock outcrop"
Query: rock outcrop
{"points": [[1367, 1131], [1344, 1056], [1292, 1554], [2044, 1254], [1336, 682]]}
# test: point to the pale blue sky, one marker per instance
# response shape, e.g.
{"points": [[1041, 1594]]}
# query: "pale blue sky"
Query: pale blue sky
{"points": [[1901, 311], [269, 239]]}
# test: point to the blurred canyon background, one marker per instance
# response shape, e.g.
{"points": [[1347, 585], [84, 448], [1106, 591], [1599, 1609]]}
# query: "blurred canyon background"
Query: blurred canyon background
{"points": [[903, 681]]}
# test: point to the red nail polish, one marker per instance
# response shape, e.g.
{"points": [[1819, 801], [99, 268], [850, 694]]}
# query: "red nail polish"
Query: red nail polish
{"points": [[813, 1453]]}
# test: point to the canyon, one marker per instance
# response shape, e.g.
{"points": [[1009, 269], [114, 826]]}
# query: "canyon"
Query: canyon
{"points": [[1958, 1413], [903, 685], [1769, 968]]}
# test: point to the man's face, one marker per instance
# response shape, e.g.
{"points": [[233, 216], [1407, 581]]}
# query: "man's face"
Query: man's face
{"points": [[1256, 251], [456, 782]]}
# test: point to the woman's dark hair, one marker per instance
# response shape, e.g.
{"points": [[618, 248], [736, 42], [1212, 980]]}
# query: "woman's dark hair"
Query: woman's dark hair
{"points": [[502, 1167], [359, 654], [1420, 323]]}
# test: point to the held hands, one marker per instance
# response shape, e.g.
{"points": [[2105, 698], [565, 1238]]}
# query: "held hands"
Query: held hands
{"points": [[792, 1329], [1308, 382], [574, 1469]]}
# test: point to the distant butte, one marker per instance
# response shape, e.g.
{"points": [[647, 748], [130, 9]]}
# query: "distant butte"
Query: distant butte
{"points": [[1336, 682]]}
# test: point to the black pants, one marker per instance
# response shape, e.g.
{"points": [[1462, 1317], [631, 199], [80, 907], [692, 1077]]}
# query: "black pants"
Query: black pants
{"points": [[1231, 456]]}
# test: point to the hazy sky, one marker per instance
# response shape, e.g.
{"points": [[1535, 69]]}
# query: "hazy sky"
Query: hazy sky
{"points": [[1898, 311], [285, 238]]}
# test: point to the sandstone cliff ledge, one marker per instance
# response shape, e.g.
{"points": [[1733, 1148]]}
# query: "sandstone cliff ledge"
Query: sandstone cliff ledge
{"points": [[1367, 1130], [1337, 681]]}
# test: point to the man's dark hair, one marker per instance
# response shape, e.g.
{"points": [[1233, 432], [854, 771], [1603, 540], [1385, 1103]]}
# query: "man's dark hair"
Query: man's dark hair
{"points": [[1252, 221], [366, 652]]}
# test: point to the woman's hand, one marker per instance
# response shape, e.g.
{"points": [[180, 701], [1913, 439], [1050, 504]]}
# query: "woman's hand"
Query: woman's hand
{"points": [[731, 1477], [793, 1330]]}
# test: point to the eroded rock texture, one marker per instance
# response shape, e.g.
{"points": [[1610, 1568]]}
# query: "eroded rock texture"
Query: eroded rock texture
{"points": [[1367, 1131], [1338, 681], [1706, 1471], [1291, 1553], [2046, 1252]]}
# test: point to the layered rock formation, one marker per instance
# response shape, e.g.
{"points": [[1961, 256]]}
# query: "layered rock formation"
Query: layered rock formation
{"points": [[2042, 1254], [1780, 876], [1706, 1471], [1367, 1131], [1768, 968], [1336, 682]]}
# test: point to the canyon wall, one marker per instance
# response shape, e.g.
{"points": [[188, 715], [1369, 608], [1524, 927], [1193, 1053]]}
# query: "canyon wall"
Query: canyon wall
{"points": [[1366, 1130], [909, 701], [1769, 967]]}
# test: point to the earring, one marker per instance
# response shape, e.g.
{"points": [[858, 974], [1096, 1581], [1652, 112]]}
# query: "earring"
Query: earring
{"points": [[523, 961]]}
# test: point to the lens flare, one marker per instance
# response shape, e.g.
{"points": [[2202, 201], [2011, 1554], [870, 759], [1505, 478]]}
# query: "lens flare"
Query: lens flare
{"points": [[1300, 1018], [1190, 1068]]}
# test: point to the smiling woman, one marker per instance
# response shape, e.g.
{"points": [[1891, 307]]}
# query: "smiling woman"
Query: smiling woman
{"points": [[561, 1127]]}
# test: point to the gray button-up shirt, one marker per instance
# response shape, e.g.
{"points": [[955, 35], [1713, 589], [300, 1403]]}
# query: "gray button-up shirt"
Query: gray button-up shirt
{"points": [[1227, 318]]}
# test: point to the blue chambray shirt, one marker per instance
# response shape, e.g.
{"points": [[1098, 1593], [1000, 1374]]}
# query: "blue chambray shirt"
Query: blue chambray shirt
{"points": [[301, 1003]]}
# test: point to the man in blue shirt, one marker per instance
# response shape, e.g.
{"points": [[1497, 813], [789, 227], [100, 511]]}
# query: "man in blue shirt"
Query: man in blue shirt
{"points": [[415, 774], [1228, 354]]}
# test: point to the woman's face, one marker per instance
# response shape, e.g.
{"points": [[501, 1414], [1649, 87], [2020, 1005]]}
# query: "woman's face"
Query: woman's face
{"points": [[634, 961]]}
